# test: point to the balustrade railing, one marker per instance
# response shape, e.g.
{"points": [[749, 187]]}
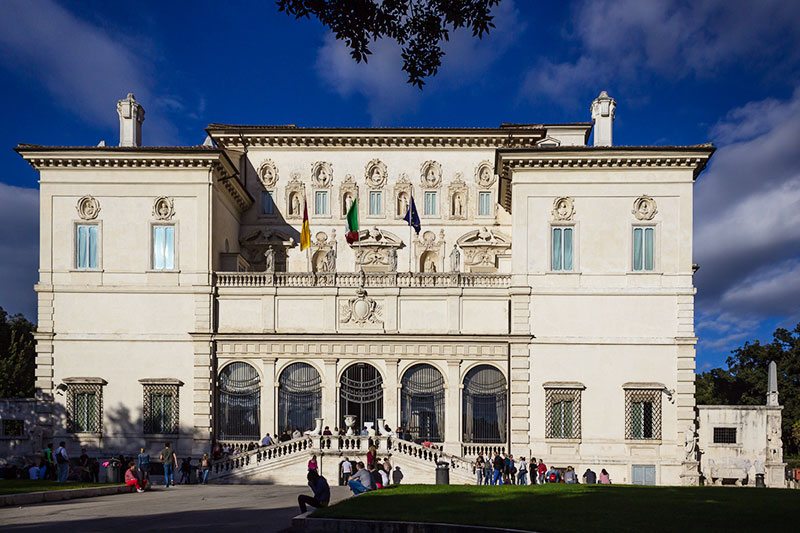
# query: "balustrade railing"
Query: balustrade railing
{"points": [[362, 279], [236, 461], [473, 449]]}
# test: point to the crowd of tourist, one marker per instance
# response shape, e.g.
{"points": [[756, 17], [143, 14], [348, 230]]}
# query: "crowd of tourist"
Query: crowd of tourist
{"points": [[505, 470]]}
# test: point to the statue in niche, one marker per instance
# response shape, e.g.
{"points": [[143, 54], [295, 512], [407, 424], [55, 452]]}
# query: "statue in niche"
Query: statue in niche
{"points": [[393, 260], [458, 205], [348, 201], [455, 259], [690, 442], [429, 265], [269, 260], [294, 204], [402, 204]]}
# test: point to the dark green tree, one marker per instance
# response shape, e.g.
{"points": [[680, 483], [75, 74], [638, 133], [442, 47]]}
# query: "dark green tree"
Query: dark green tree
{"points": [[744, 381], [418, 26], [17, 356]]}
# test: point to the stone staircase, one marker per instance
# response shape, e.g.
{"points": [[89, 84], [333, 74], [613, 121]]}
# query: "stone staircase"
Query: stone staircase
{"points": [[286, 463]]}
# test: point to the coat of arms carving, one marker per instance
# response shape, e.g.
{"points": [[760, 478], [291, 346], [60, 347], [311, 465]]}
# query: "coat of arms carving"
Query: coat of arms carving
{"points": [[360, 310]]}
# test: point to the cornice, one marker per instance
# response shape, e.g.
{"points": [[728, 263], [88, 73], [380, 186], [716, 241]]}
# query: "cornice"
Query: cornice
{"points": [[40, 160], [500, 139]]}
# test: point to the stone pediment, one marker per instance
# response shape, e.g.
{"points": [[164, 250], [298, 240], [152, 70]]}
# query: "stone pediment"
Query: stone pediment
{"points": [[265, 237], [484, 237], [377, 237], [481, 248], [376, 250]]}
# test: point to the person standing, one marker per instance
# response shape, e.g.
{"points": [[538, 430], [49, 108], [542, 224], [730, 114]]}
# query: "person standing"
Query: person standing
{"points": [[345, 470], [570, 476], [62, 462], [541, 470], [186, 470], [478, 468], [205, 468], [322, 492], [532, 470], [522, 474], [143, 464], [397, 476], [170, 460], [83, 463], [49, 462], [499, 466], [487, 471], [312, 464]]}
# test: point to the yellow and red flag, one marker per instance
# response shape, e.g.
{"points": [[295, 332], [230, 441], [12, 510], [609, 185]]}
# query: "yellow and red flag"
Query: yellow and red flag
{"points": [[305, 233]]}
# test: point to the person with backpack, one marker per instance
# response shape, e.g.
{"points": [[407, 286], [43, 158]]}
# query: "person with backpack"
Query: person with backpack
{"points": [[487, 471], [522, 475], [62, 462], [553, 476], [512, 470]]}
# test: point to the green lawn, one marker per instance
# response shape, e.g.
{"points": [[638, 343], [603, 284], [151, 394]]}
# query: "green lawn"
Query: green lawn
{"points": [[18, 486], [550, 508]]}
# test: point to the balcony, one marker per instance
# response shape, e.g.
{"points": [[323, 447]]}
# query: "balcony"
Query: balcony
{"points": [[361, 279]]}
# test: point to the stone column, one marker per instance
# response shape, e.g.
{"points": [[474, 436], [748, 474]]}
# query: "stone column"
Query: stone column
{"points": [[329, 393], [391, 410], [452, 412], [268, 392]]}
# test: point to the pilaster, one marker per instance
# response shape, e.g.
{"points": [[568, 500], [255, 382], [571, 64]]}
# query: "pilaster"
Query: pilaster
{"points": [[202, 393], [268, 391], [452, 438], [519, 427], [330, 392], [391, 411]]}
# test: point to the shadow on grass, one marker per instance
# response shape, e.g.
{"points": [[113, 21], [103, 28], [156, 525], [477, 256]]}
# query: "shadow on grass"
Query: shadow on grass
{"points": [[555, 508]]}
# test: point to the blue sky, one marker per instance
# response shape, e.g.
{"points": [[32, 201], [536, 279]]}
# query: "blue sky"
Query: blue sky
{"points": [[726, 71]]}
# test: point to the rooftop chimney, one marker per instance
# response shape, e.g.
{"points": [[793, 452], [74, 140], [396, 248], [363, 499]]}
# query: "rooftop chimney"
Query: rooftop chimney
{"points": [[772, 384], [131, 116], [603, 117]]}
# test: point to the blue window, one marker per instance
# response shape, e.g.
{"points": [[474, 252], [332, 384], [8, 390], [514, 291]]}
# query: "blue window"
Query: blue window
{"points": [[562, 248], [431, 203], [321, 203], [643, 249], [87, 241], [163, 247], [375, 203], [267, 205], [484, 203]]}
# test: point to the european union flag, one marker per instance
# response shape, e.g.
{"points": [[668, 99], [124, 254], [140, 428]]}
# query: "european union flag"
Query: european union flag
{"points": [[412, 217]]}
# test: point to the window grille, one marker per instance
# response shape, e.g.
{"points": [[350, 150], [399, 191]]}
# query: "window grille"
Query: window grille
{"points": [[485, 404], [13, 428], [643, 414], [161, 408], [239, 412], [422, 403], [361, 394], [84, 408], [299, 397], [724, 435], [563, 413]]}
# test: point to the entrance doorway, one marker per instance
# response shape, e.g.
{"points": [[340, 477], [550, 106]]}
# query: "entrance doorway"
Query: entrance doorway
{"points": [[360, 395]]}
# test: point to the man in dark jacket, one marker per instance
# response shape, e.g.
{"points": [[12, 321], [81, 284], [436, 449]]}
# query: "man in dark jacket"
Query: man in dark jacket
{"points": [[499, 467], [589, 477], [322, 492]]}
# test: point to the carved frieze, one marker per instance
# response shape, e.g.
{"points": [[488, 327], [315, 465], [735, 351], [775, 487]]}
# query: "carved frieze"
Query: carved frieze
{"points": [[431, 175], [481, 248], [268, 174], [163, 208], [484, 175], [88, 207], [360, 310], [375, 173], [644, 208], [563, 208]]}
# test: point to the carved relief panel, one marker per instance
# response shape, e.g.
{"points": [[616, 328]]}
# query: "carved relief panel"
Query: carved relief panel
{"points": [[376, 250], [163, 208], [481, 248], [484, 175], [268, 174], [323, 252], [563, 208], [266, 249], [360, 311], [431, 175], [644, 208], [88, 208]]}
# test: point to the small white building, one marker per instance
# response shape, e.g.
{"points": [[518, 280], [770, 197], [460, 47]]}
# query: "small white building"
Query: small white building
{"points": [[545, 307]]}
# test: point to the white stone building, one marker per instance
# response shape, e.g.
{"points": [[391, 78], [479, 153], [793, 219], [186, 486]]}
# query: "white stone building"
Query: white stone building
{"points": [[546, 305]]}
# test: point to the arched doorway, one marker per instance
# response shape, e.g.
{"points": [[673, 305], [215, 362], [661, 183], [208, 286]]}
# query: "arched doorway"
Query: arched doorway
{"points": [[361, 395], [484, 405], [239, 402], [299, 397], [422, 403]]}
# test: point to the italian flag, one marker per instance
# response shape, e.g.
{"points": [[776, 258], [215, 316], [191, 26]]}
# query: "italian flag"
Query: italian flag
{"points": [[305, 233], [352, 223]]}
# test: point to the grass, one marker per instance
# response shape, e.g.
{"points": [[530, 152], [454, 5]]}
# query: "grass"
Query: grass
{"points": [[554, 508], [20, 486]]}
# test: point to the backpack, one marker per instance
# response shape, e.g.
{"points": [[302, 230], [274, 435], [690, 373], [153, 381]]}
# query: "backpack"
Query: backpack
{"points": [[552, 478], [60, 459]]}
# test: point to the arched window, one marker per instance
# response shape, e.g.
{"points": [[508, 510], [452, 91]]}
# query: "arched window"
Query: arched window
{"points": [[239, 402], [299, 397], [361, 395], [422, 403], [485, 400]]}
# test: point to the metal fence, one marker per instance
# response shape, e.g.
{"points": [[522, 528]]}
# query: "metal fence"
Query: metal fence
{"points": [[422, 403], [299, 397]]}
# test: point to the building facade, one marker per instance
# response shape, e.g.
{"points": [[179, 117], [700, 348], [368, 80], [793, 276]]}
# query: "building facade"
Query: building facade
{"points": [[545, 307]]}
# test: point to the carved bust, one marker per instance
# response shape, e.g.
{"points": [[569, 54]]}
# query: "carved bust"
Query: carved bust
{"points": [[163, 208], [268, 173], [431, 174], [484, 175], [321, 173], [376, 173], [644, 208], [563, 208], [88, 208]]}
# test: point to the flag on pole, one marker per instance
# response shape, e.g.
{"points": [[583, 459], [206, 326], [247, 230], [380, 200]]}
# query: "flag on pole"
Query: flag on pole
{"points": [[305, 233], [412, 217], [351, 234]]}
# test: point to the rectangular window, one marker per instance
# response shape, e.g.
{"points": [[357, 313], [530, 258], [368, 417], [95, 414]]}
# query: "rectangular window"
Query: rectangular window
{"points": [[431, 203], [375, 203], [85, 415], [562, 413], [642, 420], [485, 203], [163, 247], [84, 407], [87, 241], [160, 409], [562, 248], [321, 203], [13, 428], [562, 420], [267, 205], [643, 414], [643, 249], [724, 435]]}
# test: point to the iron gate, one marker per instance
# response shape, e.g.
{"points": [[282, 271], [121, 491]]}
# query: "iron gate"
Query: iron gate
{"points": [[299, 397], [484, 407], [239, 403], [422, 403], [361, 395]]}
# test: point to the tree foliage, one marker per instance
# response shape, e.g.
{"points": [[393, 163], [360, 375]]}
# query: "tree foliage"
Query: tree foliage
{"points": [[744, 382], [418, 26], [17, 356]]}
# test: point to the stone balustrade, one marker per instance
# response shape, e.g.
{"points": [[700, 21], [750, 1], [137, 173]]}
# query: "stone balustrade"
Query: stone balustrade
{"points": [[361, 279], [472, 449], [262, 454]]}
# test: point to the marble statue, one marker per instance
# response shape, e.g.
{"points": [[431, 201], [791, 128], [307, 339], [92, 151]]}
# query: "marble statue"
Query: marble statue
{"points": [[269, 260], [393, 260], [455, 259]]}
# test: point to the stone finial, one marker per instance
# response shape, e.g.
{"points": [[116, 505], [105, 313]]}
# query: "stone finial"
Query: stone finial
{"points": [[772, 384], [131, 116], [603, 117]]}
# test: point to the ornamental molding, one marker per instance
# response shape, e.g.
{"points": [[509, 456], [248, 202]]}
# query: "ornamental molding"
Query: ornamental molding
{"points": [[348, 192], [457, 198], [323, 252], [321, 174], [88, 207], [639, 160], [376, 250], [295, 192], [121, 160], [504, 139], [644, 208], [484, 174], [375, 173], [481, 248], [163, 208], [431, 175], [429, 251], [360, 310], [563, 208], [266, 248], [268, 174]]}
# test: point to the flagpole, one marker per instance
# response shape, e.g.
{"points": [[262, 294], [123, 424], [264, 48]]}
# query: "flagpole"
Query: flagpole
{"points": [[409, 240]]}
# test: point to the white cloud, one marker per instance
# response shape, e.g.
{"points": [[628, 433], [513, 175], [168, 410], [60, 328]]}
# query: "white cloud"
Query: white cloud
{"points": [[19, 249]]}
